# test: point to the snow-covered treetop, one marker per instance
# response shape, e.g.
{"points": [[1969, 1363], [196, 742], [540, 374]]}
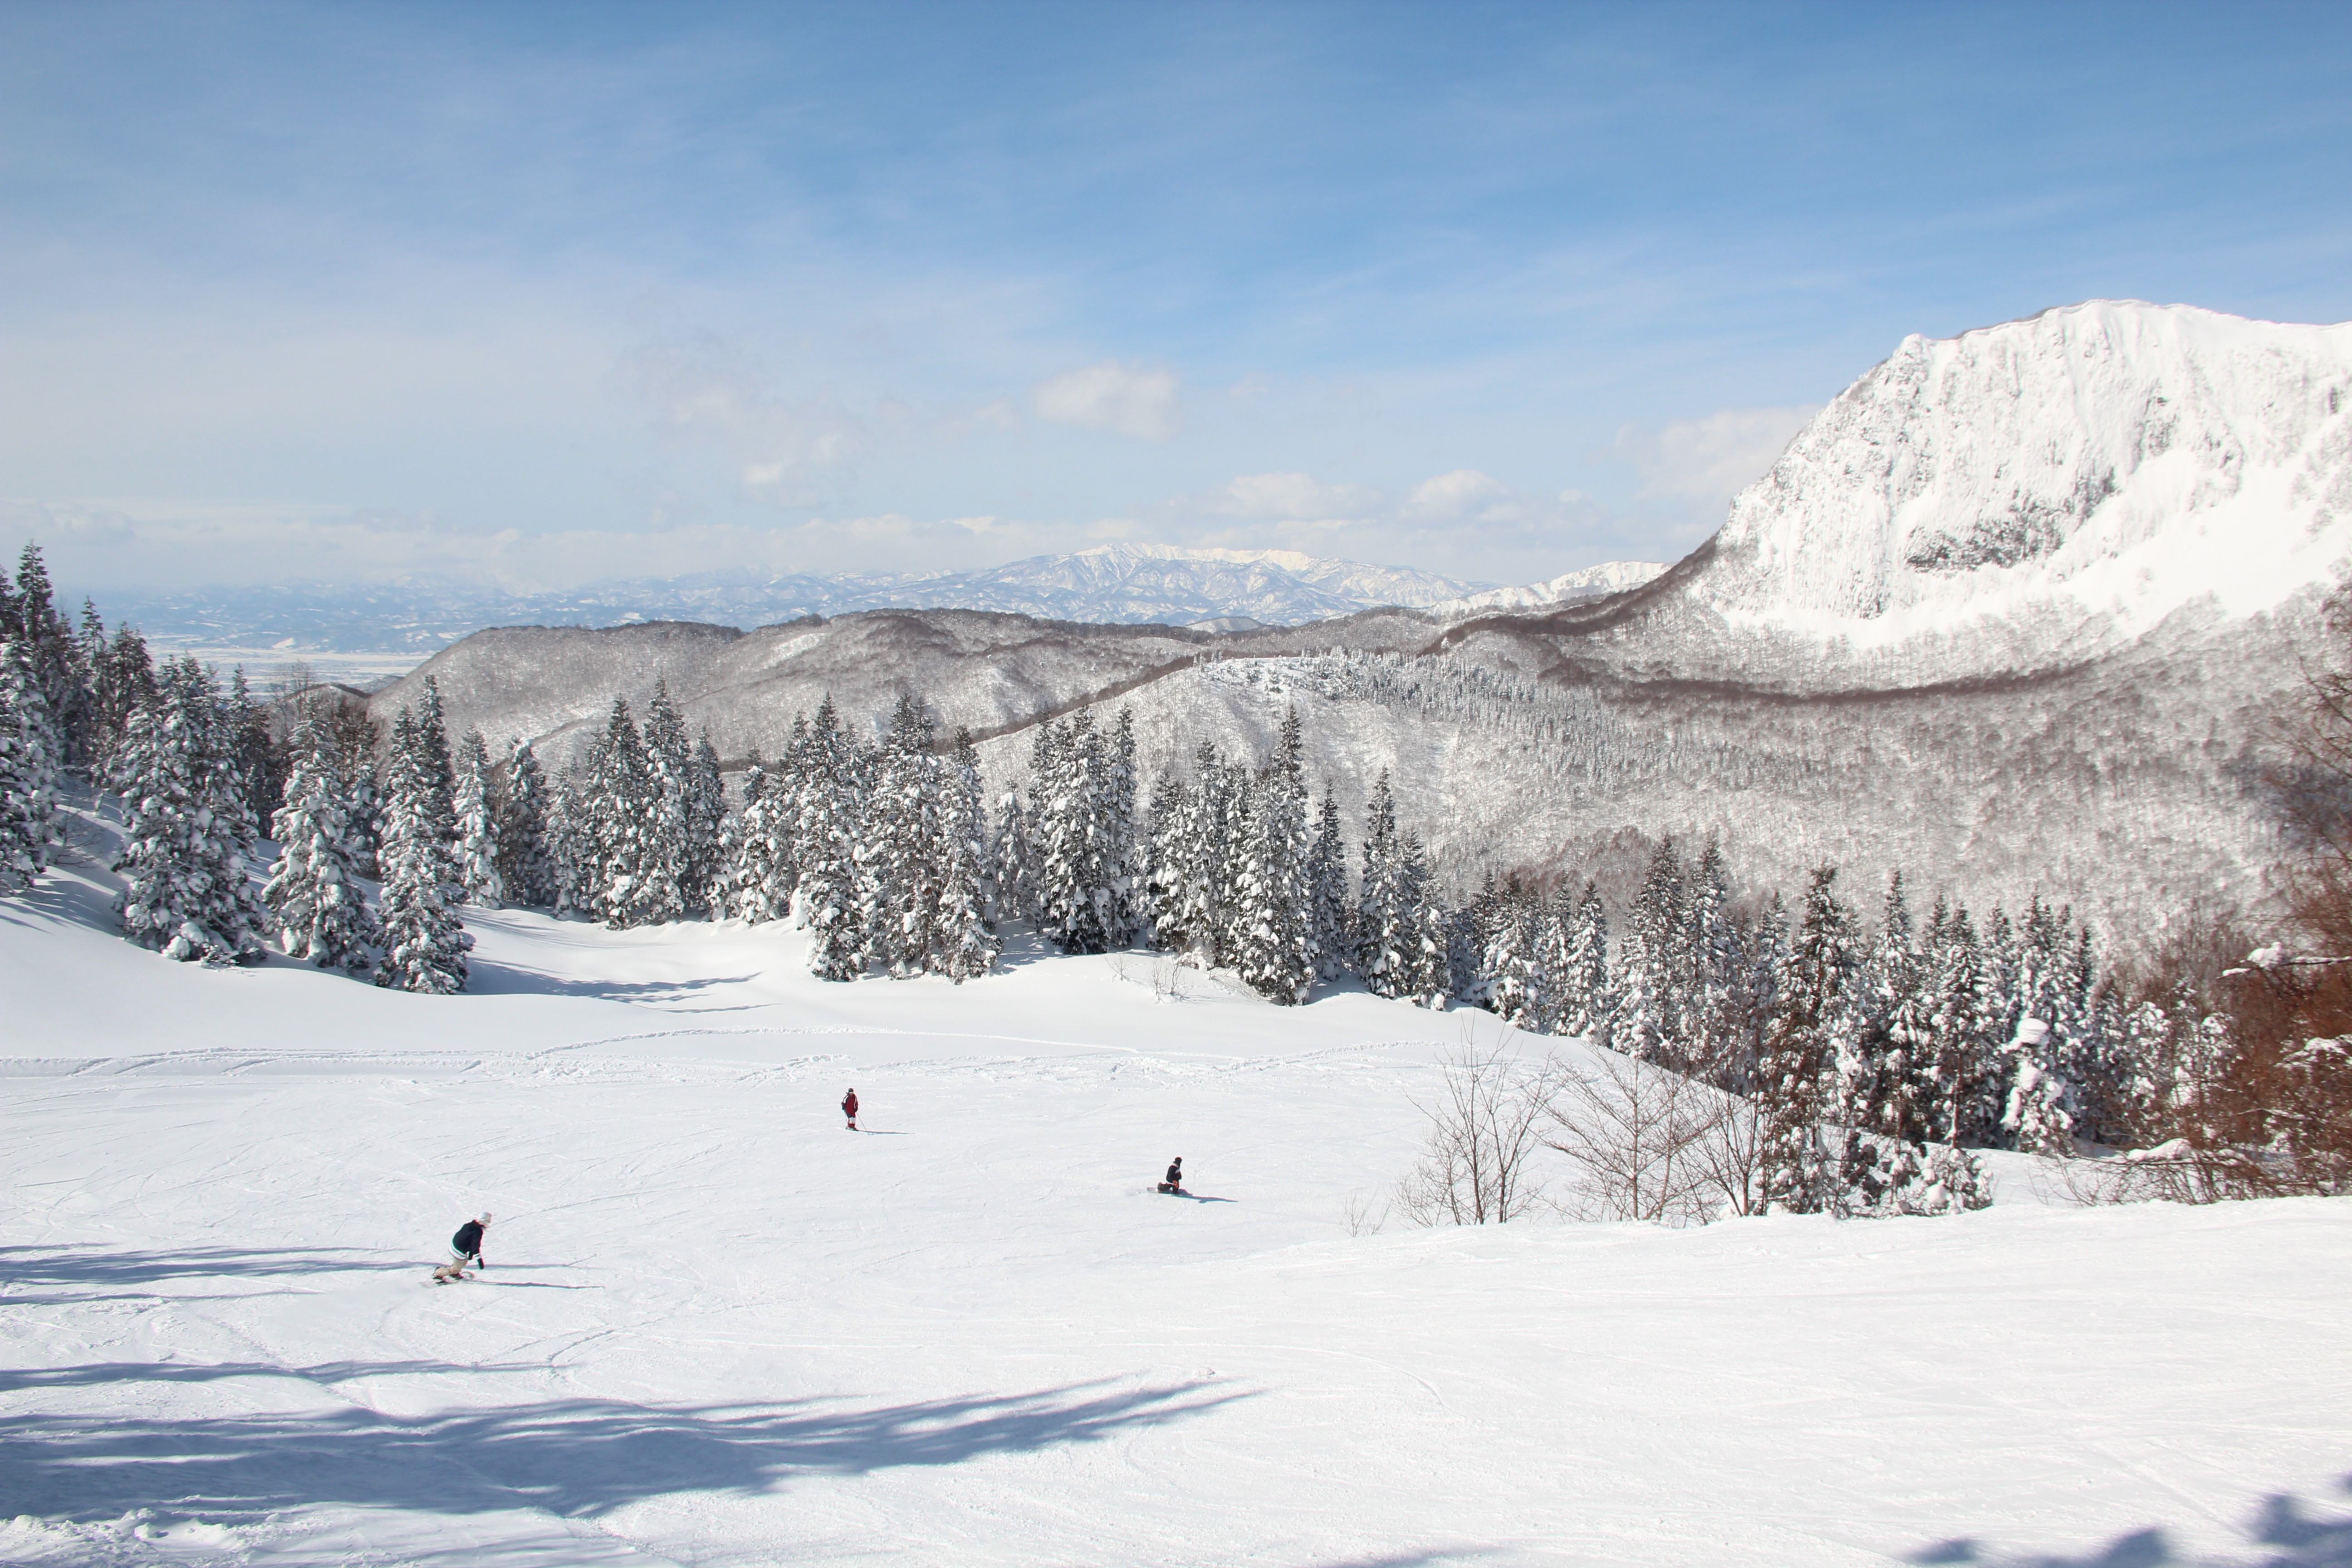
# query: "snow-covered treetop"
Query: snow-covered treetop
{"points": [[2108, 458]]}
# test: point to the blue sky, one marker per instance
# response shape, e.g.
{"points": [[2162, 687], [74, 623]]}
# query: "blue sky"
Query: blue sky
{"points": [[554, 292]]}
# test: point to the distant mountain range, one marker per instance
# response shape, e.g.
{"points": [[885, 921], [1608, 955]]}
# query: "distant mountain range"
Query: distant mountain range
{"points": [[1118, 584]]}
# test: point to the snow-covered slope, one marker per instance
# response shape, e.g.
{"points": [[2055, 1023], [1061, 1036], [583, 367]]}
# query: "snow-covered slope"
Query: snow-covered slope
{"points": [[718, 1330], [2111, 460], [1591, 582]]}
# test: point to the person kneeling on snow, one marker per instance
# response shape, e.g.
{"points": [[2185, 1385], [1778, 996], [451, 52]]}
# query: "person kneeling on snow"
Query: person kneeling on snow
{"points": [[1175, 1181], [466, 1247]]}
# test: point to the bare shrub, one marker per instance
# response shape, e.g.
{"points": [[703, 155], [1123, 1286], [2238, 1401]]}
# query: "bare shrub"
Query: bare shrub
{"points": [[1636, 1135], [1359, 1218], [1728, 1157], [1482, 1132]]}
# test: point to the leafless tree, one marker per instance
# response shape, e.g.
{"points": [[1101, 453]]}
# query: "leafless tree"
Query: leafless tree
{"points": [[1484, 1125], [1729, 1155], [1637, 1135]]}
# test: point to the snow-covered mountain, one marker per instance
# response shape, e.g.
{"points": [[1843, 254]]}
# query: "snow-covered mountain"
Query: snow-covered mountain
{"points": [[1125, 584], [1592, 582], [2018, 613], [2110, 460]]}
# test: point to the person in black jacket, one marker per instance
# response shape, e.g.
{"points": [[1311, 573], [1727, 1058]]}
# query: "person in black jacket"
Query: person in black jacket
{"points": [[465, 1247], [1175, 1181]]}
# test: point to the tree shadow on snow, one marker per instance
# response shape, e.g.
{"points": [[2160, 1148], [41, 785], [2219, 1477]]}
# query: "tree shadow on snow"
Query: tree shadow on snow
{"points": [[574, 1458], [96, 1374], [91, 1264], [488, 977], [2284, 1521]]}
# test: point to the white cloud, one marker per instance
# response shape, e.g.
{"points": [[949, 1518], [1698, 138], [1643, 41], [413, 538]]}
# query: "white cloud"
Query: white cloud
{"points": [[1128, 400], [1290, 497], [1466, 495], [1709, 459]]}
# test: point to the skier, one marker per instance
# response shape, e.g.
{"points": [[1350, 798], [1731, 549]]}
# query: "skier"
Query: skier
{"points": [[466, 1247], [849, 1108], [1175, 1181]]}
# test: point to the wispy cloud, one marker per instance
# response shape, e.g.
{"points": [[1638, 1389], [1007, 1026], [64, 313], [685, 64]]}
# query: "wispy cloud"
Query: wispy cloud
{"points": [[1128, 400]]}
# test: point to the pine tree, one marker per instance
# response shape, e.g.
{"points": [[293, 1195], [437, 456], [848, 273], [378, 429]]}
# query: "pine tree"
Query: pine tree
{"points": [[1794, 1075], [526, 857], [1329, 919], [1012, 864], [761, 890], [1398, 946], [1276, 956], [665, 855], [321, 910], [424, 943], [432, 747], [185, 831], [1652, 963], [831, 799], [27, 770], [707, 857], [1583, 982], [473, 833], [627, 866], [967, 942]]}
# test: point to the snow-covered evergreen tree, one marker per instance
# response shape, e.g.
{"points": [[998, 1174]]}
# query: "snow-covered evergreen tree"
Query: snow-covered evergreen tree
{"points": [[628, 847], [832, 883], [1012, 864], [1582, 979], [185, 831], [526, 857], [707, 857], [762, 884], [28, 770], [424, 943], [1795, 1074], [321, 911], [474, 826], [431, 744], [966, 943], [1276, 956], [668, 856], [1396, 942], [1329, 917], [1653, 966]]}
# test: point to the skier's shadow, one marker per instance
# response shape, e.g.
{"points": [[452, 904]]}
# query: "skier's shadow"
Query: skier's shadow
{"points": [[1200, 1197], [881, 1132]]}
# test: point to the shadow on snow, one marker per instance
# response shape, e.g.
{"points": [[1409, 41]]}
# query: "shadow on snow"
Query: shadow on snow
{"points": [[2283, 1521], [87, 1263], [573, 1457]]}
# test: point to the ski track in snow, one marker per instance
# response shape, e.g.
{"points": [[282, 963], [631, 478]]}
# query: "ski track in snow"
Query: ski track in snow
{"points": [[718, 1330]]}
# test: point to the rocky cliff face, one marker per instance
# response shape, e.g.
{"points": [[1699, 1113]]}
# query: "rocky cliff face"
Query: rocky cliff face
{"points": [[2110, 459]]}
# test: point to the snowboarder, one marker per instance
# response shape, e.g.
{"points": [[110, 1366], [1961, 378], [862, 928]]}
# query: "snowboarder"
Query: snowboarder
{"points": [[466, 1247], [849, 1108], [1175, 1181]]}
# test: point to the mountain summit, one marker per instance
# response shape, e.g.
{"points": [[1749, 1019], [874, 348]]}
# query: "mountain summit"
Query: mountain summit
{"points": [[2111, 460]]}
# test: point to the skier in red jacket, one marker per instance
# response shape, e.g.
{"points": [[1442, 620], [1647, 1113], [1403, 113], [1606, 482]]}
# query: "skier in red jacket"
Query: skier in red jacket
{"points": [[849, 1108]]}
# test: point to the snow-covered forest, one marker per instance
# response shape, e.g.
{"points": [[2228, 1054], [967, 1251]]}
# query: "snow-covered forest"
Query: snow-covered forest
{"points": [[1880, 1043]]}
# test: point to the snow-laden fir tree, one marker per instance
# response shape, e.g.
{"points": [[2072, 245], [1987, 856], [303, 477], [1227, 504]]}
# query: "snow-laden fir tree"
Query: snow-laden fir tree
{"points": [[966, 943], [319, 909], [1795, 1075], [1653, 966], [1519, 988], [1329, 917], [261, 762], [629, 845], [668, 856], [1012, 864], [901, 848], [1157, 863], [184, 829], [28, 770], [424, 943], [432, 747], [1581, 976], [1276, 956], [526, 858], [831, 790], [1396, 942], [761, 883], [50, 655], [474, 826], [707, 857], [571, 852]]}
